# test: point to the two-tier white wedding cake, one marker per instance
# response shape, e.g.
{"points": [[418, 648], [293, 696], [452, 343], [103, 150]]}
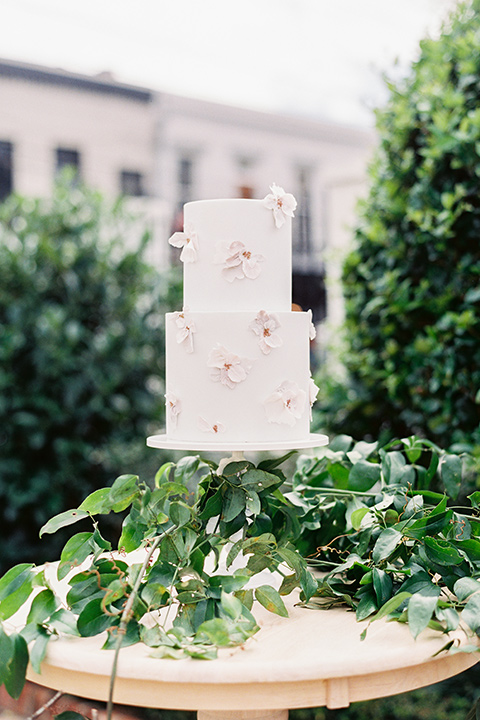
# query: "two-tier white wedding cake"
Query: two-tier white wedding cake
{"points": [[237, 357]]}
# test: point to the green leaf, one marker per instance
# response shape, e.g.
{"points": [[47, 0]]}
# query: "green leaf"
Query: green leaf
{"points": [[382, 584], [180, 513], [69, 715], [363, 476], [14, 578], [92, 619], [272, 463], [357, 517], [271, 600], [213, 506], [253, 502], [441, 552], [39, 649], [97, 503], [471, 612], [43, 605], [133, 533], [16, 593], [162, 473], [391, 605], [386, 543], [475, 499], [69, 517], [187, 467], [466, 586], [14, 678], [233, 504], [259, 480], [75, 551], [130, 637], [6, 653], [216, 632], [451, 474], [421, 607], [123, 492]]}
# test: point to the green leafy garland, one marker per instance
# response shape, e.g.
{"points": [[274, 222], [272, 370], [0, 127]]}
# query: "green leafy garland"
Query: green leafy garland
{"points": [[378, 523]]}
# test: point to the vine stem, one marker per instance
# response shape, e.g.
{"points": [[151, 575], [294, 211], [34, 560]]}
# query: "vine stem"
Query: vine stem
{"points": [[125, 617], [46, 705]]}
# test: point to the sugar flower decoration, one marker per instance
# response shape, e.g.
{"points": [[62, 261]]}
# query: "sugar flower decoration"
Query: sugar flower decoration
{"points": [[174, 408], [226, 367], [283, 204], [264, 326], [208, 427], [286, 405], [185, 330], [238, 262], [313, 332], [188, 241], [313, 392]]}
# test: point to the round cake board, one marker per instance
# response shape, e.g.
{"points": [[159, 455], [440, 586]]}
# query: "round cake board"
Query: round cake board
{"points": [[164, 442]]}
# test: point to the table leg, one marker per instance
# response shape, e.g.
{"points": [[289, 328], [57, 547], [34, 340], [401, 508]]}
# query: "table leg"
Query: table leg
{"points": [[242, 715]]}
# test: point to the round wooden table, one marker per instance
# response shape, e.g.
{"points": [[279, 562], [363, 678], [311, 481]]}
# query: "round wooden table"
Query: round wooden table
{"points": [[312, 658]]}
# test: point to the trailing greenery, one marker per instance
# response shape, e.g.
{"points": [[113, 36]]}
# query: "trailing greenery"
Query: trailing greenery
{"points": [[412, 282], [385, 525], [176, 529], [80, 357]]}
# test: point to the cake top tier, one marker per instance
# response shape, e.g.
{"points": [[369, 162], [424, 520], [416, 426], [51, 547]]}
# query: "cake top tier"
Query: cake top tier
{"points": [[237, 253]]}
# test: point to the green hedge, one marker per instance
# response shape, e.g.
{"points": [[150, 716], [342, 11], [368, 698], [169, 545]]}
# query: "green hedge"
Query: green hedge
{"points": [[412, 283], [81, 358]]}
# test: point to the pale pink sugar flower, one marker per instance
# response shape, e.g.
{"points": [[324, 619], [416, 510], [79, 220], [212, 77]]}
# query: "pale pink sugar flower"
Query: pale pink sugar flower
{"points": [[174, 408], [188, 241], [185, 329], [264, 326], [313, 391], [214, 428], [226, 367], [286, 404], [238, 262], [282, 203]]}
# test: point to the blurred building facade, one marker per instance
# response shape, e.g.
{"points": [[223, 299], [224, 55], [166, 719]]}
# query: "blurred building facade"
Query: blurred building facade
{"points": [[162, 150]]}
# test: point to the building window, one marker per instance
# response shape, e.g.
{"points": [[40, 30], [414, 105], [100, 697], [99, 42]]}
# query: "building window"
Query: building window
{"points": [[132, 183], [185, 180], [67, 158], [302, 238], [6, 169]]}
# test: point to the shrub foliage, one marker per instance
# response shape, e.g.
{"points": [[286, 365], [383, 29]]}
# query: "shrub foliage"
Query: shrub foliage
{"points": [[79, 351], [412, 283]]}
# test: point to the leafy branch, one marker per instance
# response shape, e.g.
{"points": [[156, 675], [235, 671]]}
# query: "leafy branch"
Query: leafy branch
{"points": [[179, 576], [385, 531]]}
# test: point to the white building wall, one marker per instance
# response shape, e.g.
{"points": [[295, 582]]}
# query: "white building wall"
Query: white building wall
{"points": [[111, 133], [229, 148]]}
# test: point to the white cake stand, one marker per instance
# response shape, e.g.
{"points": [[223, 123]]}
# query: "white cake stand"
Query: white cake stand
{"points": [[237, 449], [164, 442]]}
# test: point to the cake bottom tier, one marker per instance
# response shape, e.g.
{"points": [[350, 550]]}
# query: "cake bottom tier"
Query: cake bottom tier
{"points": [[238, 377]]}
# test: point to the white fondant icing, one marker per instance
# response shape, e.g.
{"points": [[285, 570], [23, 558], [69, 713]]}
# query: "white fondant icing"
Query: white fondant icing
{"points": [[244, 407], [249, 222]]}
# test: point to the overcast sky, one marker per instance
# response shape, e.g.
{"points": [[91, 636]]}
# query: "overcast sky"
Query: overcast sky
{"points": [[323, 58]]}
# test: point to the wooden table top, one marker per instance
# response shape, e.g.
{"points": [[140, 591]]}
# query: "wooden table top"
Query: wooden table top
{"points": [[312, 658]]}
